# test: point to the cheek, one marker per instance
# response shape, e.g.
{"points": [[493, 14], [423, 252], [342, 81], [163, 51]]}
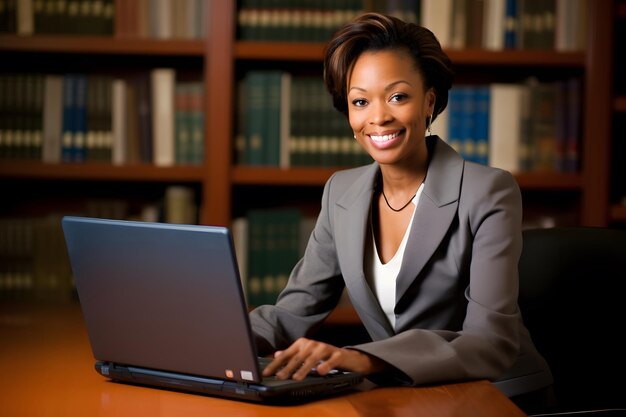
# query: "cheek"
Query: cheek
{"points": [[356, 121]]}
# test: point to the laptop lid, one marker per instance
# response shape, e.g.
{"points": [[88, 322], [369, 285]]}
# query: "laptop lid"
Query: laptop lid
{"points": [[164, 306]]}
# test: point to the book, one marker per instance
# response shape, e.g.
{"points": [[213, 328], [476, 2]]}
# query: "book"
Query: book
{"points": [[436, 15], [180, 205], [505, 130], [455, 114], [119, 112], [144, 114], [574, 125], [570, 25], [52, 118], [255, 118], [25, 17], [241, 129], [68, 123], [163, 81], [474, 25], [133, 137], [197, 123], [494, 24], [272, 96], [482, 99], [458, 26], [285, 120], [240, 242], [182, 120], [511, 24], [80, 119], [542, 135]]}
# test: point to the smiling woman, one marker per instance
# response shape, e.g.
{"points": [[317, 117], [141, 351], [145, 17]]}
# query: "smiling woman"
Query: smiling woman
{"points": [[435, 282]]}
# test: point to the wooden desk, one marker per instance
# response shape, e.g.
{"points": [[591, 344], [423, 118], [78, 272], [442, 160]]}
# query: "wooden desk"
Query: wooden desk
{"points": [[46, 369]]}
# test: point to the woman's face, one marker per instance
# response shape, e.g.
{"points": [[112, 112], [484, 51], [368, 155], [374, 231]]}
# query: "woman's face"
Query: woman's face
{"points": [[387, 105]]}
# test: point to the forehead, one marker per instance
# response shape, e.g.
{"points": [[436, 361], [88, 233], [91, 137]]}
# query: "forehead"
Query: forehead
{"points": [[389, 65]]}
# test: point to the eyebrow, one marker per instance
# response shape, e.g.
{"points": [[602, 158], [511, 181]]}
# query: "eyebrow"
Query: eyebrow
{"points": [[387, 88]]}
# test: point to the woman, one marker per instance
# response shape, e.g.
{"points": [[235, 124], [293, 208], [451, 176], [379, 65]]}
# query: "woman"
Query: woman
{"points": [[426, 244]]}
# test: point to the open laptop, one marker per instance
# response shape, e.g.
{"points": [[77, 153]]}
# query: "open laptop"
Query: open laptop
{"points": [[164, 307]]}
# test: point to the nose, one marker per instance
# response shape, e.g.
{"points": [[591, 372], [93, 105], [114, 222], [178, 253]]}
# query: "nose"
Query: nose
{"points": [[380, 114]]}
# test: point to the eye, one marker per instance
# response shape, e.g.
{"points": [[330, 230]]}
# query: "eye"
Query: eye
{"points": [[397, 97], [359, 102]]}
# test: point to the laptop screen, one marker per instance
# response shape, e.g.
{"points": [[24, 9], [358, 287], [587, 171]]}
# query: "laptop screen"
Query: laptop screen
{"points": [[162, 296]]}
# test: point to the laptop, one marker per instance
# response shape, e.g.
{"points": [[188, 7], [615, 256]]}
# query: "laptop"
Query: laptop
{"points": [[164, 307]]}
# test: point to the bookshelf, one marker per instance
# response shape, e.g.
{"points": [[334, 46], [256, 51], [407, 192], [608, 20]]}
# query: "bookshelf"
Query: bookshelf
{"points": [[220, 59]]}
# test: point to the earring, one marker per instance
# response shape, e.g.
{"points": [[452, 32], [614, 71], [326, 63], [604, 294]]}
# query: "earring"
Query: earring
{"points": [[430, 122], [354, 136]]}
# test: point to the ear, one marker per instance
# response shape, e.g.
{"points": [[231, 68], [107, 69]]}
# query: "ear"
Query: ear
{"points": [[429, 101]]}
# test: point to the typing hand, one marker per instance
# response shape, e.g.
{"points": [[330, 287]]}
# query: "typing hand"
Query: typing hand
{"points": [[304, 354]]}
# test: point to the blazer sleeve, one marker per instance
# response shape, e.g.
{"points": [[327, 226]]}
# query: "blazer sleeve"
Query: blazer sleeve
{"points": [[489, 220], [314, 288]]}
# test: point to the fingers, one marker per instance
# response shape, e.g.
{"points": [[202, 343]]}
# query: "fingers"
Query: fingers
{"points": [[298, 360]]}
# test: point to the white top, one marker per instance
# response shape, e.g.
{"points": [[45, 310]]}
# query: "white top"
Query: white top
{"points": [[382, 277]]}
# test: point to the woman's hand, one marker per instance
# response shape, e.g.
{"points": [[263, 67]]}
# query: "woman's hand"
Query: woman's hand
{"points": [[304, 354]]}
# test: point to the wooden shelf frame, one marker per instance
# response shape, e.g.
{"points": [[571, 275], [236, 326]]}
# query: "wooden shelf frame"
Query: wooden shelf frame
{"points": [[96, 171], [102, 45], [242, 175], [292, 51]]}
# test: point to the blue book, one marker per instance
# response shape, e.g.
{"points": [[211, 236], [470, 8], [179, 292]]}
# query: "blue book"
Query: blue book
{"points": [[511, 24], [466, 123], [454, 118], [481, 124]]}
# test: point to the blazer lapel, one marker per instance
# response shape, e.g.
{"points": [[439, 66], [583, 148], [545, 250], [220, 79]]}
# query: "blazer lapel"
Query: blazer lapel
{"points": [[352, 215], [435, 212]]}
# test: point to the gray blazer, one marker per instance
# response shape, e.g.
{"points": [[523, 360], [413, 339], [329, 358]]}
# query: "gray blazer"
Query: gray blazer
{"points": [[456, 310]]}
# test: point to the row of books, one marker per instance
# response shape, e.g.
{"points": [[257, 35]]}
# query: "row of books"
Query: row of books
{"points": [[312, 20], [289, 121], [74, 117], [532, 126], [33, 260], [161, 19], [490, 24], [33, 256], [71, 17], [507, 24], [269, 243]]}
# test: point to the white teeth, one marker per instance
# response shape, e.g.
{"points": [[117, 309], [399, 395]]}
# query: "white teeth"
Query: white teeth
{"points": [[384, 138]]}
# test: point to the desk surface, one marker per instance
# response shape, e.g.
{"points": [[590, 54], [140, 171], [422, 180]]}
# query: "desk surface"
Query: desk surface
{"points": [[46, 369]]}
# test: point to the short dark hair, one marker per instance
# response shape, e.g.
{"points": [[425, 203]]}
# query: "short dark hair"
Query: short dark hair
{"points": [[377, 32]]}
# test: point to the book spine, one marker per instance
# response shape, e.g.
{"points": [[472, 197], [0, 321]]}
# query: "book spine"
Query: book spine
{"points": [[53, 115], [197, 123], [505, 124], [481, 123], [255, 119], [163, 81], [67, 141], [182, 120], [80, 114], [119, 114], [272, 110]]}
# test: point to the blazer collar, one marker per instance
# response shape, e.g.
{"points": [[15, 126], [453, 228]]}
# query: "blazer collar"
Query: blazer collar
{"points": [[351, 226], [436, 210]]}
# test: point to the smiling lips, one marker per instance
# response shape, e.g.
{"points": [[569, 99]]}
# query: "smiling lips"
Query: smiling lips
{"points": [[384, 138]]}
